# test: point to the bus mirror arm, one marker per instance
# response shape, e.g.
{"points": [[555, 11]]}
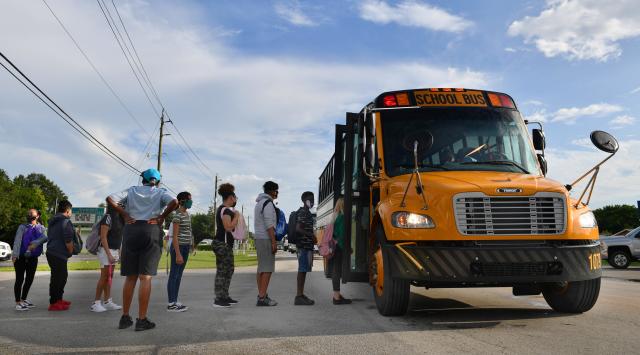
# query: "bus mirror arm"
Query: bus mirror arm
{"points": [[419, 185], [605, 142]]}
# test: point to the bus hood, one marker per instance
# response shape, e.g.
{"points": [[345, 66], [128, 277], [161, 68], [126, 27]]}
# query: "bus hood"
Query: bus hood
{"points": [[446, 184]]}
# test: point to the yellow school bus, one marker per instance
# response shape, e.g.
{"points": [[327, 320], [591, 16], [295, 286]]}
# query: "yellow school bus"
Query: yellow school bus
{"points": [[446, 187]]}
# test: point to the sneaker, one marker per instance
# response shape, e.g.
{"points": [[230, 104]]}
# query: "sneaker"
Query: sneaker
{"points": [[28, 304], [221, 303], [58, 306], [342, 300], [110, 306], [125, 322], [266, 302], [65, 302], [303, 301], [98, 307], [176, 307], [231, 301], [144, 324], [22, 307]]}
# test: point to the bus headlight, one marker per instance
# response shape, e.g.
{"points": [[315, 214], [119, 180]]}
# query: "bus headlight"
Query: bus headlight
{"points": [[588, 220], [411, 220]]}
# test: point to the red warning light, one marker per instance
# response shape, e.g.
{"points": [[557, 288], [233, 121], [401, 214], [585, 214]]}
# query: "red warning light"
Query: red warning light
{"points": [[390, 101]]}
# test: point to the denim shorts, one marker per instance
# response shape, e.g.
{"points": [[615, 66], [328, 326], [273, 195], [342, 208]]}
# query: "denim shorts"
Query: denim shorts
{"points": [[305, 260]]}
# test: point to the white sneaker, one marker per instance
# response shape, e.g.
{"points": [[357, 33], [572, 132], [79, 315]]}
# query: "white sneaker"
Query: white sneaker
{"points": [[98, 308], [28, 304], [22, 307], [110, 306]]}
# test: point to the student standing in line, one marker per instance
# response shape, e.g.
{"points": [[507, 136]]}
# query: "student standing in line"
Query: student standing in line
{"points": [[264, 225], [147, 206], [304, 245], [27, 247], [226, 220], [111, 226], [181, 246], [335, 263], [59, 250]]}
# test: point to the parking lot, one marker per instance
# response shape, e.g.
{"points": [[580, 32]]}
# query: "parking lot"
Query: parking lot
{"points": [[483, 320]]}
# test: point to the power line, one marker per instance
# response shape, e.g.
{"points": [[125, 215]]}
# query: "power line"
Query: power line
{"points": [[95, 69], [67, 118], [105, 11], [190, 149]]}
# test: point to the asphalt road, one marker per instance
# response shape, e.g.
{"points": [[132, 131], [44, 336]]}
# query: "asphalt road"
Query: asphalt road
{"points": [[483, 320]]}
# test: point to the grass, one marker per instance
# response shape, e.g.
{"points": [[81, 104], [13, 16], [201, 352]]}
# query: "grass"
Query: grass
{"points": [[202, 260]]}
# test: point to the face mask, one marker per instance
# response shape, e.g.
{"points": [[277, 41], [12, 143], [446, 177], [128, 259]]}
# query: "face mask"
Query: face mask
{"points": [[31, 218], [308, 203], [234, 203], [188, 204]]}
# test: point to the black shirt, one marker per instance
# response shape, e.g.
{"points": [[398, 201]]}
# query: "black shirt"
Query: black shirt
{"points": [[114, 236], [221, 234], [304, 217]]}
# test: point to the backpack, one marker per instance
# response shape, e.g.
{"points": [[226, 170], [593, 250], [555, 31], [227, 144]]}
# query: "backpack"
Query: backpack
{"points": [[77, 241], [92, 244], [239, 231], [291, 232], [281, 220], [328, 244], [29, 236]]}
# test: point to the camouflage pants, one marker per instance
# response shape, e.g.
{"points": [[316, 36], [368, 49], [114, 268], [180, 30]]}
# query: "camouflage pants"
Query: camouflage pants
{"points": [[224, 268]]}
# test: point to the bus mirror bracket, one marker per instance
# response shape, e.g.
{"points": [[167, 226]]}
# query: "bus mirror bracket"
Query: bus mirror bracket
{"points": [[416, 172], [607, 143]]}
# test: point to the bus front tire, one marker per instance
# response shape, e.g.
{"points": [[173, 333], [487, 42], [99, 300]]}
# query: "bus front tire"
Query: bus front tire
{"points": [[572, 297], [391, 295]]}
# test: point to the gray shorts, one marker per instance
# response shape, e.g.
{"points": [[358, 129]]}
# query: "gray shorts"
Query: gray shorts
{"points": [[141, 249], [266, 259]]}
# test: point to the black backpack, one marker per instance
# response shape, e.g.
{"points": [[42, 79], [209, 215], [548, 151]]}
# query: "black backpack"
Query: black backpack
{"points": [[291, 232]]}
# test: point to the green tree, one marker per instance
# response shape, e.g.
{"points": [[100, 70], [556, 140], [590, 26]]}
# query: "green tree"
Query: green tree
{"points": [[15, 200], [201, 227], [51, 191], [612, 219]]}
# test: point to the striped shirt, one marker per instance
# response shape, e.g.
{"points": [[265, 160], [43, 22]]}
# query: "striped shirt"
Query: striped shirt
{"points": [[183, 220]]}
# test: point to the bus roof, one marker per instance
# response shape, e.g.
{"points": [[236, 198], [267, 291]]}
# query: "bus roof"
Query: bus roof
{"points": [[442, 97]]}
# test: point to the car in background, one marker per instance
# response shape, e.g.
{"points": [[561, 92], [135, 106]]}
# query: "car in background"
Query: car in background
{"points": [[620, 251], [206, 242], [293, 248], [5, 251], [285, 244]]}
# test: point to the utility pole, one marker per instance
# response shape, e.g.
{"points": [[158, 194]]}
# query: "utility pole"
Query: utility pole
{"points": [[162, 122]]}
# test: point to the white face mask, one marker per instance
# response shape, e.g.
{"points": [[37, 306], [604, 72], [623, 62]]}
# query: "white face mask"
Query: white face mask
{"points": [[308, 203]]}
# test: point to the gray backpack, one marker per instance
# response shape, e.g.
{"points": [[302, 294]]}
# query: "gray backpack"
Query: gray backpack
{"points": [[92, 244]]}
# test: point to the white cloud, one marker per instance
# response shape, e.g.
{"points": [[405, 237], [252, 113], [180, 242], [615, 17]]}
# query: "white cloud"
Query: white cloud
{"points": [[636, 90], [248, 117], [510, 50], [619, 178], [570, 115], [292, 12], [538, 116], [413, 13], [580, 29], [623, 120]]}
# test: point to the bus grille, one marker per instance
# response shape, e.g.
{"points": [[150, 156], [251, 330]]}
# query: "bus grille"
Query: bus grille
{"points": [[478, 214]]}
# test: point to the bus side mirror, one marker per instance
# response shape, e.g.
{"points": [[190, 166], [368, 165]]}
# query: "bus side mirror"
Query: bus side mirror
{"points": [[543, 164], [539, 142]]}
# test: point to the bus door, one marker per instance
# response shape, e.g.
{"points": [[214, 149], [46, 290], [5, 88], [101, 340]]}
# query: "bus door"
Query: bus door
{"points": [[356, 200]]}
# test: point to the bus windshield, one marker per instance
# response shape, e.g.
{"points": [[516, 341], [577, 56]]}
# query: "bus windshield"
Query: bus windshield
{"points": [[461, 138]]}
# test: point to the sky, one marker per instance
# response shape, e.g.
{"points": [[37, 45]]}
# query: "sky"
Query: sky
{"points": [[256, 87]]}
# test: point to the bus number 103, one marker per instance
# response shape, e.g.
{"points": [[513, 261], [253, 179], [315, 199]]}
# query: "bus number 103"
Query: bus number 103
{"points": [[595, 261]]}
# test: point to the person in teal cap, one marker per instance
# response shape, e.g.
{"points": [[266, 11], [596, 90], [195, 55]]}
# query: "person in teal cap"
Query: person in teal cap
{"points": [[144, 212]]}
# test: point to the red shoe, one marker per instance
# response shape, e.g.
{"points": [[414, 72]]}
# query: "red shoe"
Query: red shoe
{"points": [[66, 302], [58, 306]]}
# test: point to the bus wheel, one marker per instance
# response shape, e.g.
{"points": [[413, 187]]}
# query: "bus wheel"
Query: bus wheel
{"points": [[572, 297], [391, 295]]}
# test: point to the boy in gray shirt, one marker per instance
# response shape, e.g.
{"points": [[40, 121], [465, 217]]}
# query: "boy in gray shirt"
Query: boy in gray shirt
{"points": [[264, 222]]}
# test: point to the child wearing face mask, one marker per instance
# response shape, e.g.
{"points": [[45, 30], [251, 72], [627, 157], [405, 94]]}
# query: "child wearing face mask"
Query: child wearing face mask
{"points": [[27, 247], [304, 245], [226, 219], [181, 245]]}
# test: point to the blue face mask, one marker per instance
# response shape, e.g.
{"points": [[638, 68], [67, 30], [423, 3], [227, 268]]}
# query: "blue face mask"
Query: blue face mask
{"points": [[188, 204]]}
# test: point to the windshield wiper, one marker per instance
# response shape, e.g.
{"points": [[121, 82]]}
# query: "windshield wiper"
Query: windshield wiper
{"points": [[498, 162], [411, 166]]}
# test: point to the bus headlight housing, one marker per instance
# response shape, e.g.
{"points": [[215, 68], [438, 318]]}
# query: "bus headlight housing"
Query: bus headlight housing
{"points": [[404, 219], [588, 220]]}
